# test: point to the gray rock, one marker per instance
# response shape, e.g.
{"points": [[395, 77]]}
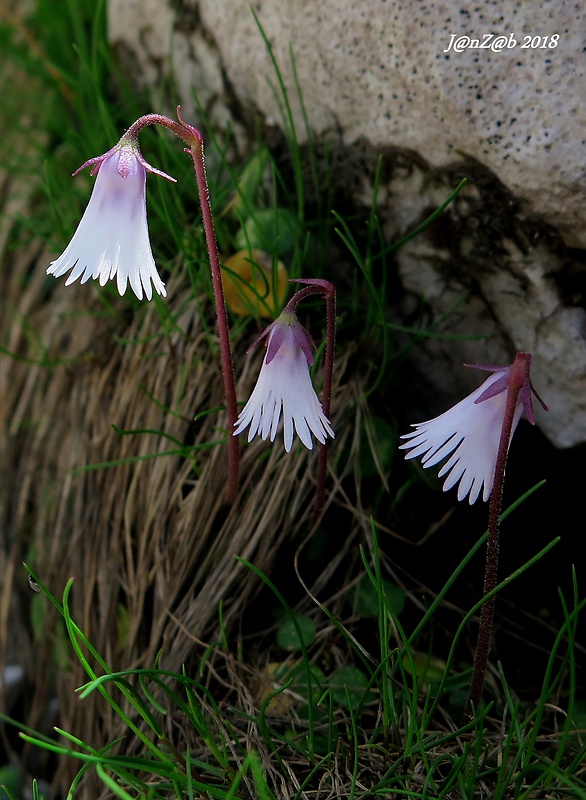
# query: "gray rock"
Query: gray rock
{"points": [[378, 70], [375, 73]]}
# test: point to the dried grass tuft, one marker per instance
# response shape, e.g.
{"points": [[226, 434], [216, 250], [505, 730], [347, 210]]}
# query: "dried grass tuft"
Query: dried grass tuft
{"points": [[150, 544]]}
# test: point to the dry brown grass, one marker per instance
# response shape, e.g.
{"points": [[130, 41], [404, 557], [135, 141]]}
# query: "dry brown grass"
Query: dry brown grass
{"points": [[152, 536]]}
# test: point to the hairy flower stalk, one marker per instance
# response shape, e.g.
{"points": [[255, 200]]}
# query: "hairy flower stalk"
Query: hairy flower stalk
{"points": [[112, 239], [519, 390], [476, 434]]}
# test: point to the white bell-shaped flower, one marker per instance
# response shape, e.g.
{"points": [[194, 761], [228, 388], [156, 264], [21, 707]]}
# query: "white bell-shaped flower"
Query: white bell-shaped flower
{"points": [[284, 387], [469, 433], [112, 238]]}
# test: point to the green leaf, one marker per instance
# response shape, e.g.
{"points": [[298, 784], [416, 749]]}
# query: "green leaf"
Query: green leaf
{"points": [[349, 686], [11, 780], [428, 668], [272, 230], [297, 673], [365, 598], [288, 634], [248, 183]]}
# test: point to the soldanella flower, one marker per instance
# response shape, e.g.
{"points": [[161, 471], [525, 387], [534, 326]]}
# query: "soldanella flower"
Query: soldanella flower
{"points": [[474, 436], [112, 239], [284, 387], [468, 435]]}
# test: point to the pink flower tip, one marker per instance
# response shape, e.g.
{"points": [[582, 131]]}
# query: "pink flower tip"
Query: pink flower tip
{"points": [[284, 387], [468, 434]]}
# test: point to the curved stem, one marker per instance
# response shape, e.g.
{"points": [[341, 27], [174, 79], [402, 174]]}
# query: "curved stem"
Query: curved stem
{"points": [[196, 153], [186, 133], [192, 137]]}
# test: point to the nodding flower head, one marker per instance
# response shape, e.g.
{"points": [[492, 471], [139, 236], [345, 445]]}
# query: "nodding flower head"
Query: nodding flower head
{"points": [[468, 434], [112, 239], [284, 386]]}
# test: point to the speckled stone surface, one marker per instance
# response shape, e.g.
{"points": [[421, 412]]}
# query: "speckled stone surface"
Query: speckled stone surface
{"points": [[377, 72], [377, 69]]}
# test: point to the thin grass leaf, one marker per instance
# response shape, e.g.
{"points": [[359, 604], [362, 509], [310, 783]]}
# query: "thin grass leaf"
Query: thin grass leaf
{"points": [[282, 98], [431, 218], [303, 648], [474, 610], [430, 610], [113, 785]]}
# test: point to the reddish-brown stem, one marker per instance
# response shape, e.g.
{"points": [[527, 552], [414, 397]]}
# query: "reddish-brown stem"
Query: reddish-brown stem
{"points": [[196, 152], [186, 133], [192, 137], [518, 376]]}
